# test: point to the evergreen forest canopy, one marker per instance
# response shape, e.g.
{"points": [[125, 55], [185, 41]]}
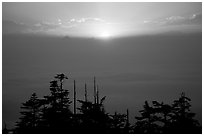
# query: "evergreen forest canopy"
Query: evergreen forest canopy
{"points": [[52, 115]]}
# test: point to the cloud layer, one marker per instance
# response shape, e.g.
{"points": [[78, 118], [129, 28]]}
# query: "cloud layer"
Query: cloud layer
{"points": [[90, 26], [62, 26], [194, 19]]}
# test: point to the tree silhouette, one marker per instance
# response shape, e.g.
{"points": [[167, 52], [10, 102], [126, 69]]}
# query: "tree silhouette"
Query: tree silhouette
{"points": [[164, 118], [5, 130], [30, 115], [164, 115], [118, 123], [147, 122], [94, 118], [57, 114], [52, 114], [183, 120]]}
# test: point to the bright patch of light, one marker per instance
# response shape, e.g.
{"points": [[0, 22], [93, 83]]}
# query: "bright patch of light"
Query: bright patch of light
{"points": [[105, 34]]}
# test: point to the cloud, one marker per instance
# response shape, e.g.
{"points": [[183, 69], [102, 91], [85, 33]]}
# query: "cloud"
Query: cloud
{"points": [[9, 27], [85, 20], [12, 27], [194, 19], [44, 26], [58, 27]]}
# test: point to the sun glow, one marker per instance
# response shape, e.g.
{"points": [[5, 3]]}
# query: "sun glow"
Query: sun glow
{"points": [[105, 35], [104, 32]]}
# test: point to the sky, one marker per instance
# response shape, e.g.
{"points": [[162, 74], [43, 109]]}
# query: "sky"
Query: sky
{"points": [[137, 51], [100, 19]]}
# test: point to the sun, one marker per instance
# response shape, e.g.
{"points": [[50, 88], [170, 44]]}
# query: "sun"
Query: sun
{"points": [[105, 35]]}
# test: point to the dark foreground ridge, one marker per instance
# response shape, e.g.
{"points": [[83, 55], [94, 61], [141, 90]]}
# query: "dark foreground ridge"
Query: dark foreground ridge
{"points": [[52, 115]]}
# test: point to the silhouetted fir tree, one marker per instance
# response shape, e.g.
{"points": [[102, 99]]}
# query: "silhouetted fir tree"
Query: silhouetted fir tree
{"points": [[147, 123], [164, 118], [93, 117], [5, 130], [182, 119], [57, 114], [30, 116], [128, 127], [118, 123], [164, 115], [85, 116]]}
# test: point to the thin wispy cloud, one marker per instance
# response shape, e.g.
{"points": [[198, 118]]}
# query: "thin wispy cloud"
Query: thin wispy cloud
{"points": [[85, 20], [194, 19], [62, 26], [13, 27]]}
